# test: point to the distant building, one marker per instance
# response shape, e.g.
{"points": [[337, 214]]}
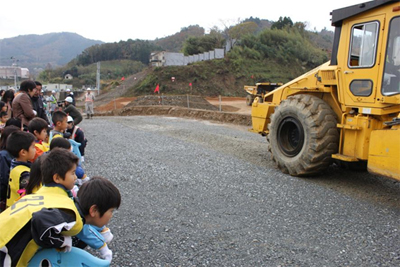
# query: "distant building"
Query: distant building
{"points": [[164, 58], [9, 72], [58, 87]]}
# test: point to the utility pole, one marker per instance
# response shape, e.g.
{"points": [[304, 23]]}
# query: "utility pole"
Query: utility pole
{"points": [[14, 64], [98, 78]]}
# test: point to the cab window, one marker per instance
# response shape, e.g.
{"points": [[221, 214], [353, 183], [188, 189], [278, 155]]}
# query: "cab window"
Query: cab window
{"points": [[361, 87], [391, 74], [363, 45]]}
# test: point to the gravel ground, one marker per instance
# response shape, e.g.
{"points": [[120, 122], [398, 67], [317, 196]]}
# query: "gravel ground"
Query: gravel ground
{"points": [[195, 193]]}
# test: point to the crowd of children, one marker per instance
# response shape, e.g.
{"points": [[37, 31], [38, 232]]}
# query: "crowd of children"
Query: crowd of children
{"points": [[46, 199]]}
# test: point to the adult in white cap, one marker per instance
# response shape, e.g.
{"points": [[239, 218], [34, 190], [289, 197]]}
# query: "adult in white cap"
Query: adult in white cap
{"points": [[72, 111], [89, 100], [71, 94]]}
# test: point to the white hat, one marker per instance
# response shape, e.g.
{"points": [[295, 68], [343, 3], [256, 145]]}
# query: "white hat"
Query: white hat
{"points": [[68, 90], [72, 93], [70, 119], [69, 99], [88, 89], [53, 91]]}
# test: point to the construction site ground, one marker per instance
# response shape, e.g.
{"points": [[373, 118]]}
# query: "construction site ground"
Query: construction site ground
{"points": [[222, 109]]}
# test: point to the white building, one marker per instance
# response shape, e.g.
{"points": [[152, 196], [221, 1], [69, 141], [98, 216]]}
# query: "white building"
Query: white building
{"points": [[163, 58], [9, 72], [58, 87]]}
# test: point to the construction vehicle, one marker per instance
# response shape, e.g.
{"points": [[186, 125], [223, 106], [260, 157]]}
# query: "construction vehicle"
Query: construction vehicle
{"points": [[260, 89], [347, 109]]}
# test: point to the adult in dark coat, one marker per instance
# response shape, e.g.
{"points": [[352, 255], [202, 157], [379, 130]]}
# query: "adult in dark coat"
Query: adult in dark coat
{"points": [[37, 102]]}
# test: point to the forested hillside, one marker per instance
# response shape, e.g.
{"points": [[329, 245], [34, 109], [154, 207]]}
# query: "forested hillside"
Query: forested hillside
{"points": [[275, 55], [275, 51]]}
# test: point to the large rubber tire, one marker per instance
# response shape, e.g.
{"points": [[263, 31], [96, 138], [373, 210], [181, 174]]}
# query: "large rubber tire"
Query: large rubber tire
{"points": [[303, 135], [249, 100]]}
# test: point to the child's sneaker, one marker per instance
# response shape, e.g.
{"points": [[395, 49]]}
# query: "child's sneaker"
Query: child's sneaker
{"points": [[108, 236]]}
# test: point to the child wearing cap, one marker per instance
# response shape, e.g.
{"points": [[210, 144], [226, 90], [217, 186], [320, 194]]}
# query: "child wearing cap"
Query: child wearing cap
{"points": [[72, 111], [78, 135]]}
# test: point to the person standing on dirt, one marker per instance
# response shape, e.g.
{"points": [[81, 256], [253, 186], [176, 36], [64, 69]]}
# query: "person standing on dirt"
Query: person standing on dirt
{"points": [[89, 100]]}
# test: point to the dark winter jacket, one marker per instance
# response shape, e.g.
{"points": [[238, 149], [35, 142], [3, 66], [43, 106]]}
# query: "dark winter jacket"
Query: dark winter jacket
{"points": [[79, 137], [37, 103], [72, 111]]}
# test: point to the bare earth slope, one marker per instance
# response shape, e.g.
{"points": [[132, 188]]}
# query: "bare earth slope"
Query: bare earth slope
{"points": [[225, 109]]}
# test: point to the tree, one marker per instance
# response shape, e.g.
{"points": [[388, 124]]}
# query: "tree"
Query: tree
{"points": [[197, 45], [191, 46], [251, 19], [132, 49], [282, 23], [218, 36], [244, 28]]}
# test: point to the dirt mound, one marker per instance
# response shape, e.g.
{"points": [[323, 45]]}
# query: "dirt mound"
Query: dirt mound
{"points": [[233, 110], [117, 103], [186, 101], [211, 115]]}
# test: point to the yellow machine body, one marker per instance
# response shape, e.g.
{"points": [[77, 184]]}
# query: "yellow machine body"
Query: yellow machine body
{"points": [[260, 89], [360, 84]]}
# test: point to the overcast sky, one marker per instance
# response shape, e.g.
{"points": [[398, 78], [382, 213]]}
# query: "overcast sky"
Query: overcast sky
{"points": [[112, 21]]}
